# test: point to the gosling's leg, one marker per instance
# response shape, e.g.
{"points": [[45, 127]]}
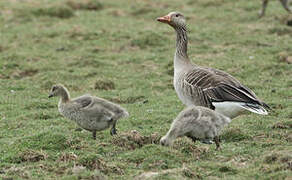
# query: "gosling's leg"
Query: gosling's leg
{"points": [[94, 135], [263, 10], [113, 129], [217, 140], [286, 5]]}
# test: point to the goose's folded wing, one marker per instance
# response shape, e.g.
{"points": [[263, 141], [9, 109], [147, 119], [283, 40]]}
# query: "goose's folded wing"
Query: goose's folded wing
{"points": [[226, 92], [217, 86], [197, 94]]}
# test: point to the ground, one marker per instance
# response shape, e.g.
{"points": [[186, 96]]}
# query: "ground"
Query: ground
{"points": [[118, 51]]}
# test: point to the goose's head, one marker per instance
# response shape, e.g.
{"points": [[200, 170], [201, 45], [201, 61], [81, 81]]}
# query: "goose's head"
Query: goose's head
{"points": [[174, 19], [57, 90]]}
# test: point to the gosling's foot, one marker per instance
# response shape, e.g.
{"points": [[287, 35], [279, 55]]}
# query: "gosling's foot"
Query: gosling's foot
{"points": [[94, 135], [217, 142], [206, 141], [113, 131]]}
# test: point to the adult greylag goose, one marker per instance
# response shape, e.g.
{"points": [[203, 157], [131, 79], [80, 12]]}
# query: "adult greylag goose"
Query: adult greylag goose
{"points": [[207, 87], [89, 112], [197, 123], [285, 4]]}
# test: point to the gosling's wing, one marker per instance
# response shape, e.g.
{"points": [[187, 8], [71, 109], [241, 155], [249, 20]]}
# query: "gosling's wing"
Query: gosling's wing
{"points": [[83, 101], [92, 109], [112, 107], [98, 112]]}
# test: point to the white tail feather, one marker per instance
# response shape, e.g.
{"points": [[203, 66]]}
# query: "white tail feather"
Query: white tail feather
{"points": [[255, 108], [233, 109]]}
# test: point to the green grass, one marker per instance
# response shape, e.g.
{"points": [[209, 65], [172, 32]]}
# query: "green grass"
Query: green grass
{"points": [[118, 51]]}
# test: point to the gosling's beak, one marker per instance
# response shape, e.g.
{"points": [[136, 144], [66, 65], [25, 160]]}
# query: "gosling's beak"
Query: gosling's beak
{"points": [[50, 95], [164, 19]]}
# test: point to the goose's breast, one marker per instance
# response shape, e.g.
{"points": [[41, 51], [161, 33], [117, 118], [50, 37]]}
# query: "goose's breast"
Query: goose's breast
{"points": [[180, 91]]}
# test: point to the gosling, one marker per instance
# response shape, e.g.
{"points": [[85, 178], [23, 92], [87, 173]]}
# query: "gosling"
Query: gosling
{"points": [[89, 112], [197, 123]]}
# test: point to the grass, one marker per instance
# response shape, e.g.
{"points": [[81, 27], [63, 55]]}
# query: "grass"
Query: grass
{"points": [[117, 50]]}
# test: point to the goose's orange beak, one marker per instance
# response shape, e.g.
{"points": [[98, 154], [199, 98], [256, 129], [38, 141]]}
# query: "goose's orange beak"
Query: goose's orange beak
{"points": [[164, 19]]}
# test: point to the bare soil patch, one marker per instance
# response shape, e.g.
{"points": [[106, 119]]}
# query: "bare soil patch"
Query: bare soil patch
{"points": [[133, 139], [104, 85], [32, 156]]}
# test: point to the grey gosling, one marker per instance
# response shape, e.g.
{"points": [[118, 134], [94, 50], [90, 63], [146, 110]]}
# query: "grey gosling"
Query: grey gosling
{"points": [[197, 123], [285, 4], [89, 112], [204, 86]]}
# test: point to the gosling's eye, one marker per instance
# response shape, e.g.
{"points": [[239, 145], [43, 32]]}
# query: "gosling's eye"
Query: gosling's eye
{"points": [[177, 15], [54, 88]]}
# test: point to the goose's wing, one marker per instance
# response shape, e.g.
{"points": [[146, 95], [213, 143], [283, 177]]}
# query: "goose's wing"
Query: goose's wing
{"points": [[197, 94], [219, 86], [226, 92]]}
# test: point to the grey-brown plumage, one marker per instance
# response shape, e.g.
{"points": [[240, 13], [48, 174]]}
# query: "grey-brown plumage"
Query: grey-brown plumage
{"points": [[89, 112], [207, 87], [285, 4], [197, 123]]}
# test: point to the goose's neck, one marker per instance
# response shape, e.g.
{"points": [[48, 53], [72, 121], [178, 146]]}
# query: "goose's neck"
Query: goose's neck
{"points": [[65, 96], [181, 44]]}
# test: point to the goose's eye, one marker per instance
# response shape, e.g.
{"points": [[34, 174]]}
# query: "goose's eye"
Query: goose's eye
{"points": [[177, 15], [54, 88]]}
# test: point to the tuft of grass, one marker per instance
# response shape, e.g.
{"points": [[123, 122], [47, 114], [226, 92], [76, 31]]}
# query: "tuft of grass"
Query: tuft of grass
{"points": [[281, 31], [104, 85], [142, 11], [169, 69], [63, 12], [45, 141], [95, 162], [271, 158], [85, 5], [133, 140], [234, 135], [282, 125], [227, 169], [32, 156]]}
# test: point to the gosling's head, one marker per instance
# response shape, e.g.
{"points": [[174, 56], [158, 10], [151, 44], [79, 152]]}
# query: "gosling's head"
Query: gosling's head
{"points": [[165, 141], [57, 90], [174, 19]]}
